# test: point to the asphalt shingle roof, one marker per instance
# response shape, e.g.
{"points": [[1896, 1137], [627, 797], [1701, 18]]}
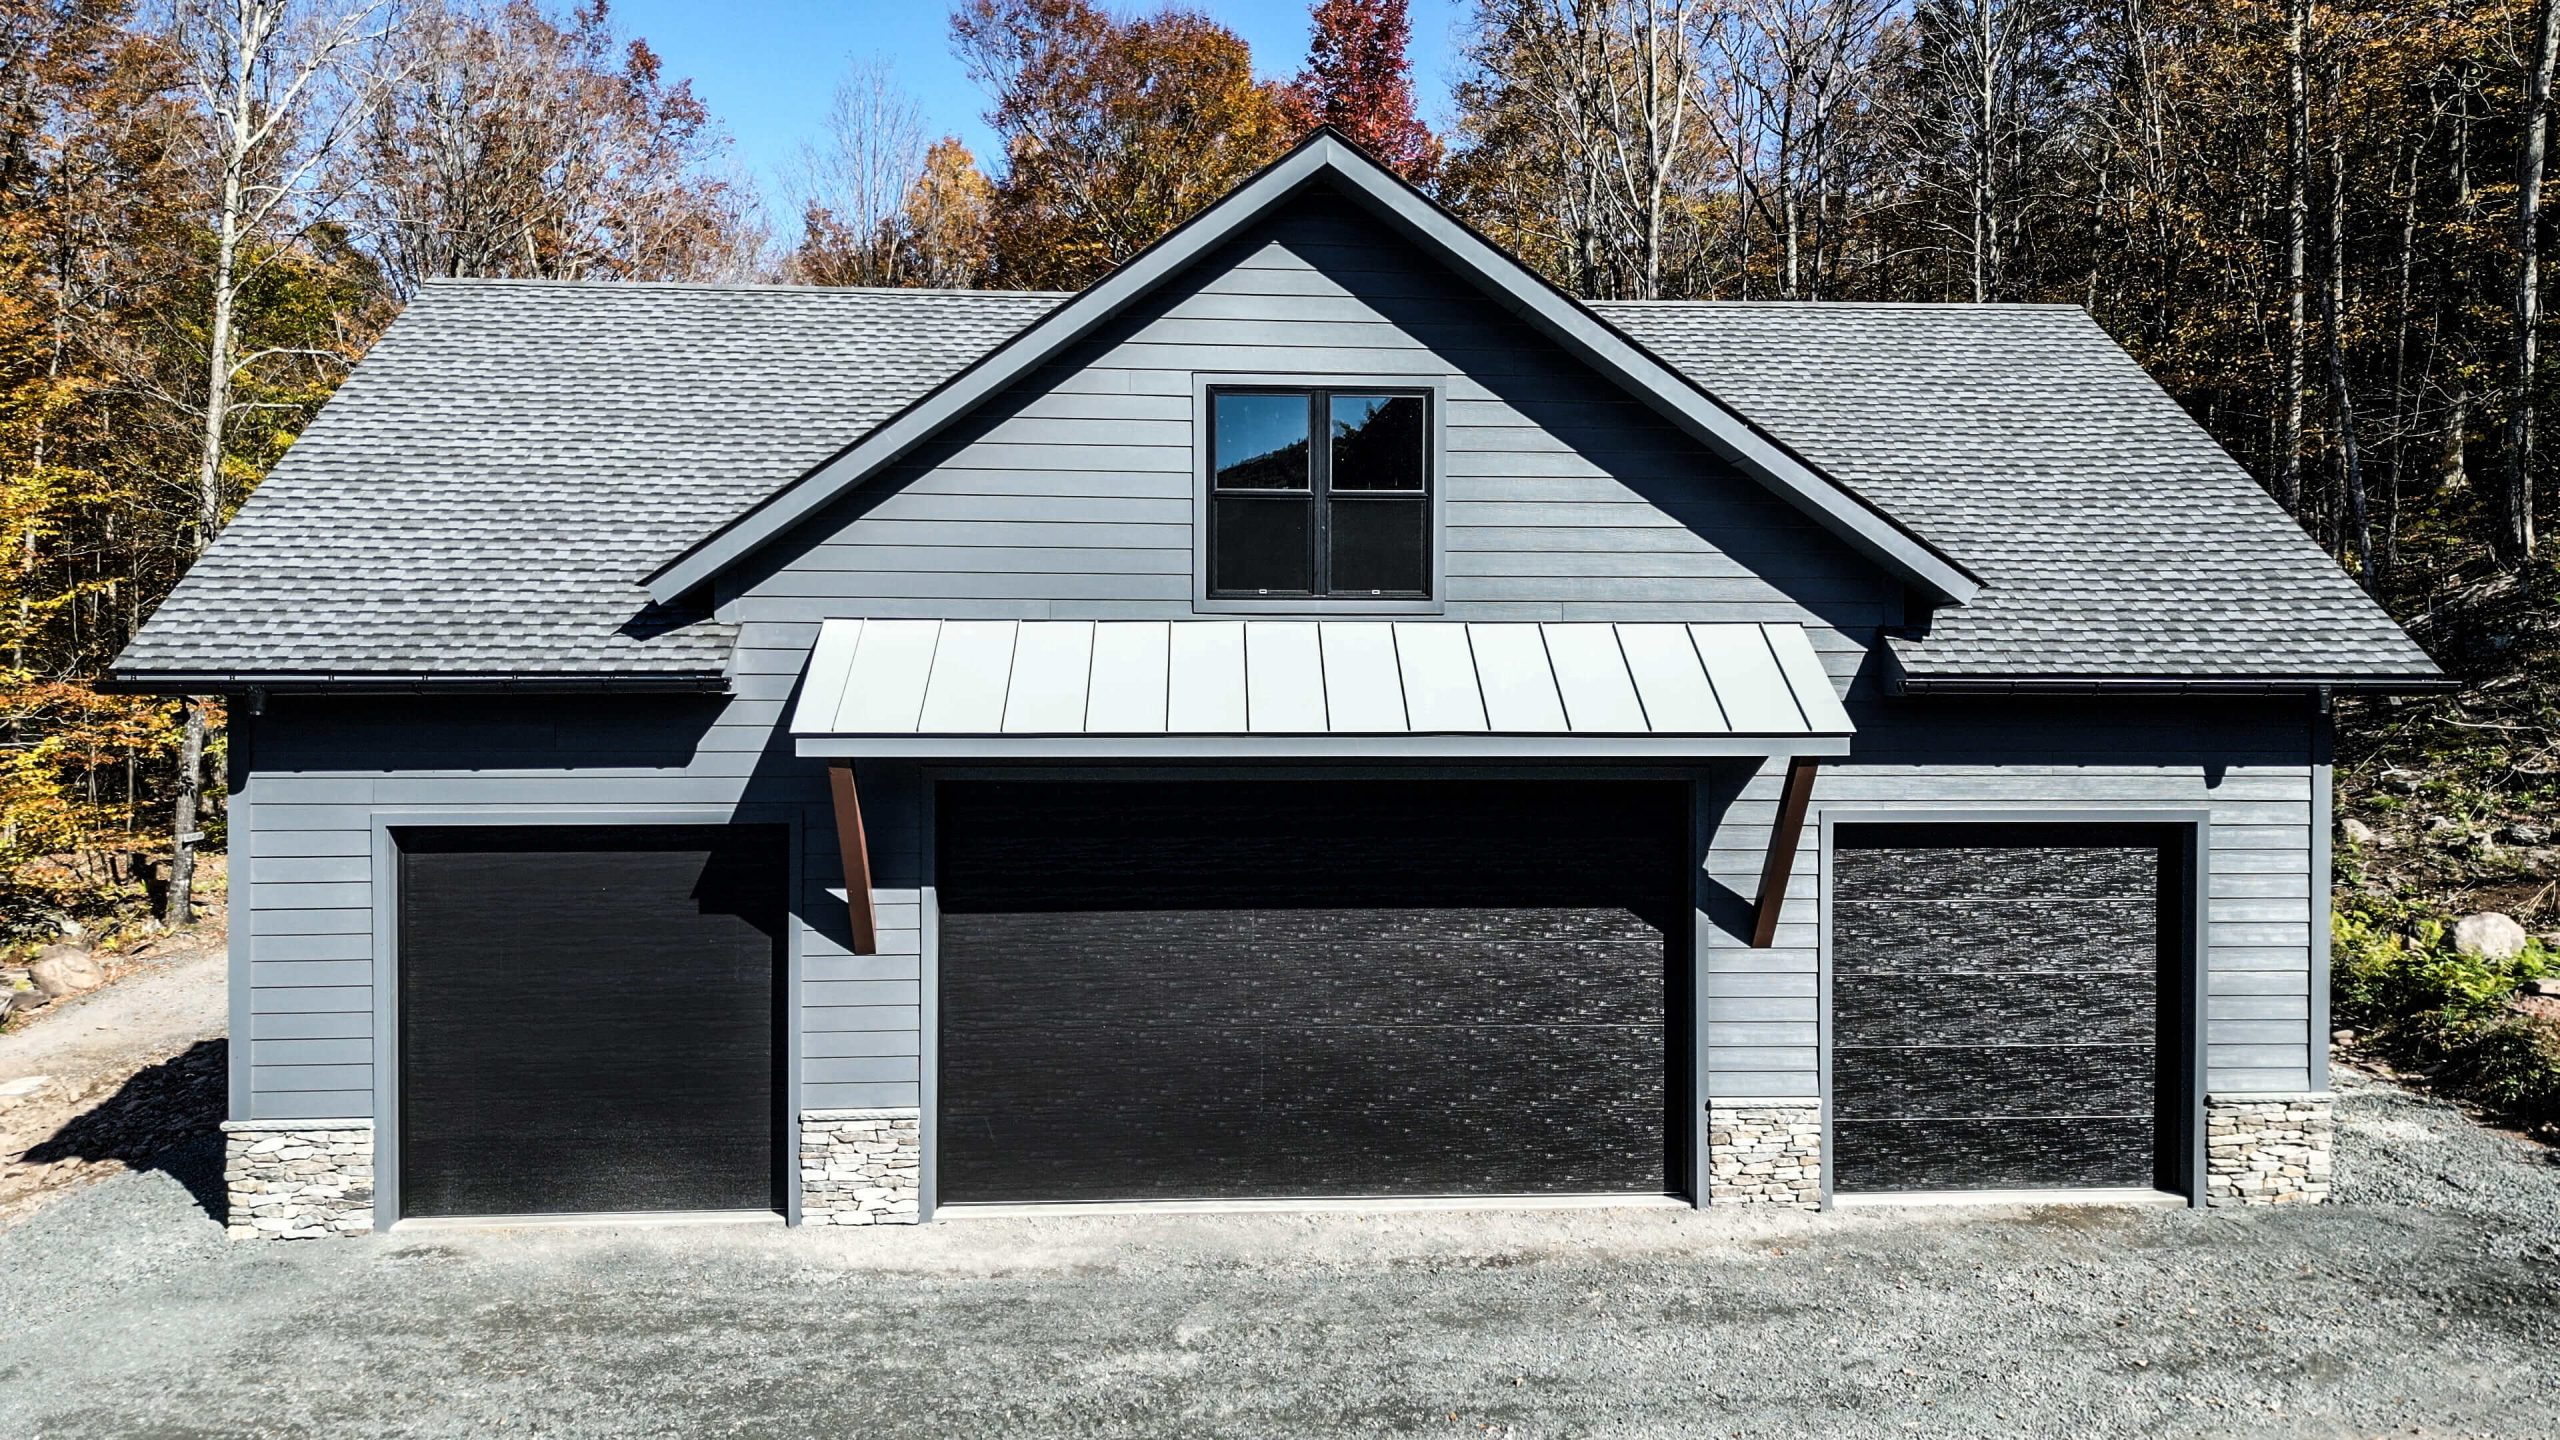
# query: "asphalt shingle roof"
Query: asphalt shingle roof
{"points": [[2115, 537], [485, 492]]}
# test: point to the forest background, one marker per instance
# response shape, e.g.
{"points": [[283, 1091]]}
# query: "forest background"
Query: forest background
{"points": [[2319, 225]]}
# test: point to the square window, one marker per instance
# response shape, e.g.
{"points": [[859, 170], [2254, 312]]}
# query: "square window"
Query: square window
{"points": [[1349, 519]]}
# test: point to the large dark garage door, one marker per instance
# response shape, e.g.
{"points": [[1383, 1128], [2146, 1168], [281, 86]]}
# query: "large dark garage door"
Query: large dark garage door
{"points": [[2004, 1008], [1272, 989], [587, 1019]]}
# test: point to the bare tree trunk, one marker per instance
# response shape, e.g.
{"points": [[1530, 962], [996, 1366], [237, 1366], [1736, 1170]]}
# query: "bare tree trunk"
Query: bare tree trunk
{"points": [[2515, 537], [2405, 405], [2341, 396], [2453, 472], [236, 126], [1985, 101], [2297, 218], [259, 68]]}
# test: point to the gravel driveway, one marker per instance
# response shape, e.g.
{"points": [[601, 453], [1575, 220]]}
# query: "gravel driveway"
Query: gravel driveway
{"points": [[2427, 1303]]}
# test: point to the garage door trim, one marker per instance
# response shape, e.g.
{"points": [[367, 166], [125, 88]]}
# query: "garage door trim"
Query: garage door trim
{"points": [[1688, 1078], [385, 867], [2187, 972]]}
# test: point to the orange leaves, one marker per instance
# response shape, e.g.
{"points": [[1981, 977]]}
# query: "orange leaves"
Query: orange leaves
{"points": [[1116, 130]]}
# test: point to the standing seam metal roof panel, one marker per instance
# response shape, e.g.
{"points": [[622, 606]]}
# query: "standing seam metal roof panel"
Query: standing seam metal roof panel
{"points": [[878, 679]]}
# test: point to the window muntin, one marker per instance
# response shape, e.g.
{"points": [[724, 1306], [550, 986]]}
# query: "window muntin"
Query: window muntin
{"points": [[1347, 519]]}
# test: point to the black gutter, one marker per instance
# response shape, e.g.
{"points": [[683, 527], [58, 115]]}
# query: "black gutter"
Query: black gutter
{"points": [[710, 682], [2030, 685]]}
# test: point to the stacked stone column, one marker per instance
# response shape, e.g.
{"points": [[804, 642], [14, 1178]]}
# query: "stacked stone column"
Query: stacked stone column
{"points": [[297, 1179], [1764, 1152], [2269, 1149], [860, 1167]]}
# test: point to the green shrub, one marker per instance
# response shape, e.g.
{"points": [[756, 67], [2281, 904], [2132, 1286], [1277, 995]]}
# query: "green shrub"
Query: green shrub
{"points": [[2394, 972]]}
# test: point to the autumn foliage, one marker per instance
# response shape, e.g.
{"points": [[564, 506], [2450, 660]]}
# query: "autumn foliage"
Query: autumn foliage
{"points": [[1115, 130], [1359, 81], [2310, 222]]}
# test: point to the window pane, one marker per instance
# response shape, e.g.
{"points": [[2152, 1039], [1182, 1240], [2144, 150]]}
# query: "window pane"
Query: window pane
{"points": [[1378, 442], [1262, 440], [1381, 545], [1259, 543]]}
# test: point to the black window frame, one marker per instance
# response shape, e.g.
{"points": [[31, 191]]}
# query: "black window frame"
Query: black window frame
{"points": [[1320, 495]]}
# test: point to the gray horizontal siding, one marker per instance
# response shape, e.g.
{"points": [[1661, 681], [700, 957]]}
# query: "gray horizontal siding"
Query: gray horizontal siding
{"points": [[305, 908], [1071, 496], [2246, 763]]}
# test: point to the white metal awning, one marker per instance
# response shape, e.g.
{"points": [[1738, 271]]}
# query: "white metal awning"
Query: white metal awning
{"points": [[1335, 689]]}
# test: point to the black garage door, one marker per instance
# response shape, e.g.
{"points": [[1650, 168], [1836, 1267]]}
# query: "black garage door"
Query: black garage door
{"points": [[1271, 989], [588, 1019], [2004, 1010]]}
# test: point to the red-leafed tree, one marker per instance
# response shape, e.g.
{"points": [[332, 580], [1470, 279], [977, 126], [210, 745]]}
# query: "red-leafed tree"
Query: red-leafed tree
{"points": [[1359, 81]]}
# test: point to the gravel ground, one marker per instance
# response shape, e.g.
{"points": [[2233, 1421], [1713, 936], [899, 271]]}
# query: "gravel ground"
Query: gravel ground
{"points": [[2425, 1303], [127, 1070]]}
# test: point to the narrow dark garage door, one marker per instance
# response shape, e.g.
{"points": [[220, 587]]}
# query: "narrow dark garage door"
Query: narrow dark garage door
{"points": [[1275, 989], [588, 1019], [2003, 1007]]}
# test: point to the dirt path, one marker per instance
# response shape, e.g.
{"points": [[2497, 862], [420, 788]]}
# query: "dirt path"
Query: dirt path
{"points": [[127, 1070]]}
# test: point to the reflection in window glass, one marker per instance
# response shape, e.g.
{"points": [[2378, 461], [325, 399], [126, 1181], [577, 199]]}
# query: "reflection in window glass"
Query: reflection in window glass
{"points": [[1289, 518], [1262, 440], [1378, 442]]}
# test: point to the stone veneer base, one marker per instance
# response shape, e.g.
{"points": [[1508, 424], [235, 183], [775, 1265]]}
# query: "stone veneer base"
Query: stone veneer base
{"points": [[1764, 1152], [2269, 1149], [860, 1167], [297, 1179]]}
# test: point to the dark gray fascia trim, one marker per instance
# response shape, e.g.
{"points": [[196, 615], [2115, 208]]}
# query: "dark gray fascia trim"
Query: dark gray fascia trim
{"points": [[1213, 748], [1325, 154], [705, 682], [1905, 683]]}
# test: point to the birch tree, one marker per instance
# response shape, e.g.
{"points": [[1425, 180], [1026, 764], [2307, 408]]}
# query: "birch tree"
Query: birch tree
{"points": [[505, 141], [2516, 530], [278, 83]]}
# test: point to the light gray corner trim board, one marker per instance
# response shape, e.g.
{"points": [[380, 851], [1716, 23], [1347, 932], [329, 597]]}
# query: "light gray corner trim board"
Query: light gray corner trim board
{"points": [[240, 940], [386, 962], [2198, 826], [929, 1007], [1701, 1124], [2324, 800], [1325, 158]]}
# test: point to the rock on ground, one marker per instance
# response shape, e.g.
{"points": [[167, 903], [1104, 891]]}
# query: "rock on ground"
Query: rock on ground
{"points": [[2496, 936], [66, 970]]}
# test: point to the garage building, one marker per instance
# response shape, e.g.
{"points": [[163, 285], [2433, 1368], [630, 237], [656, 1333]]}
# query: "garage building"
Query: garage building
{"points": [[1319, 717]]}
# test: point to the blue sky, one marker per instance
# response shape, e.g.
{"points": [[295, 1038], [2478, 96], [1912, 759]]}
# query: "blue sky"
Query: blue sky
{"points": [[766, 67]]}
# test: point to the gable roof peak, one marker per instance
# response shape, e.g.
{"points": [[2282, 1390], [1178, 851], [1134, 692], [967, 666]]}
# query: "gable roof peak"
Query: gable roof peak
{"points": [[1325, 155]]}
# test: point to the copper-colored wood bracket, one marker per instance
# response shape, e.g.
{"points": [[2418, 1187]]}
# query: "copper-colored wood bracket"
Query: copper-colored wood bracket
{"points": [[857, 858], [1783, 839]]}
